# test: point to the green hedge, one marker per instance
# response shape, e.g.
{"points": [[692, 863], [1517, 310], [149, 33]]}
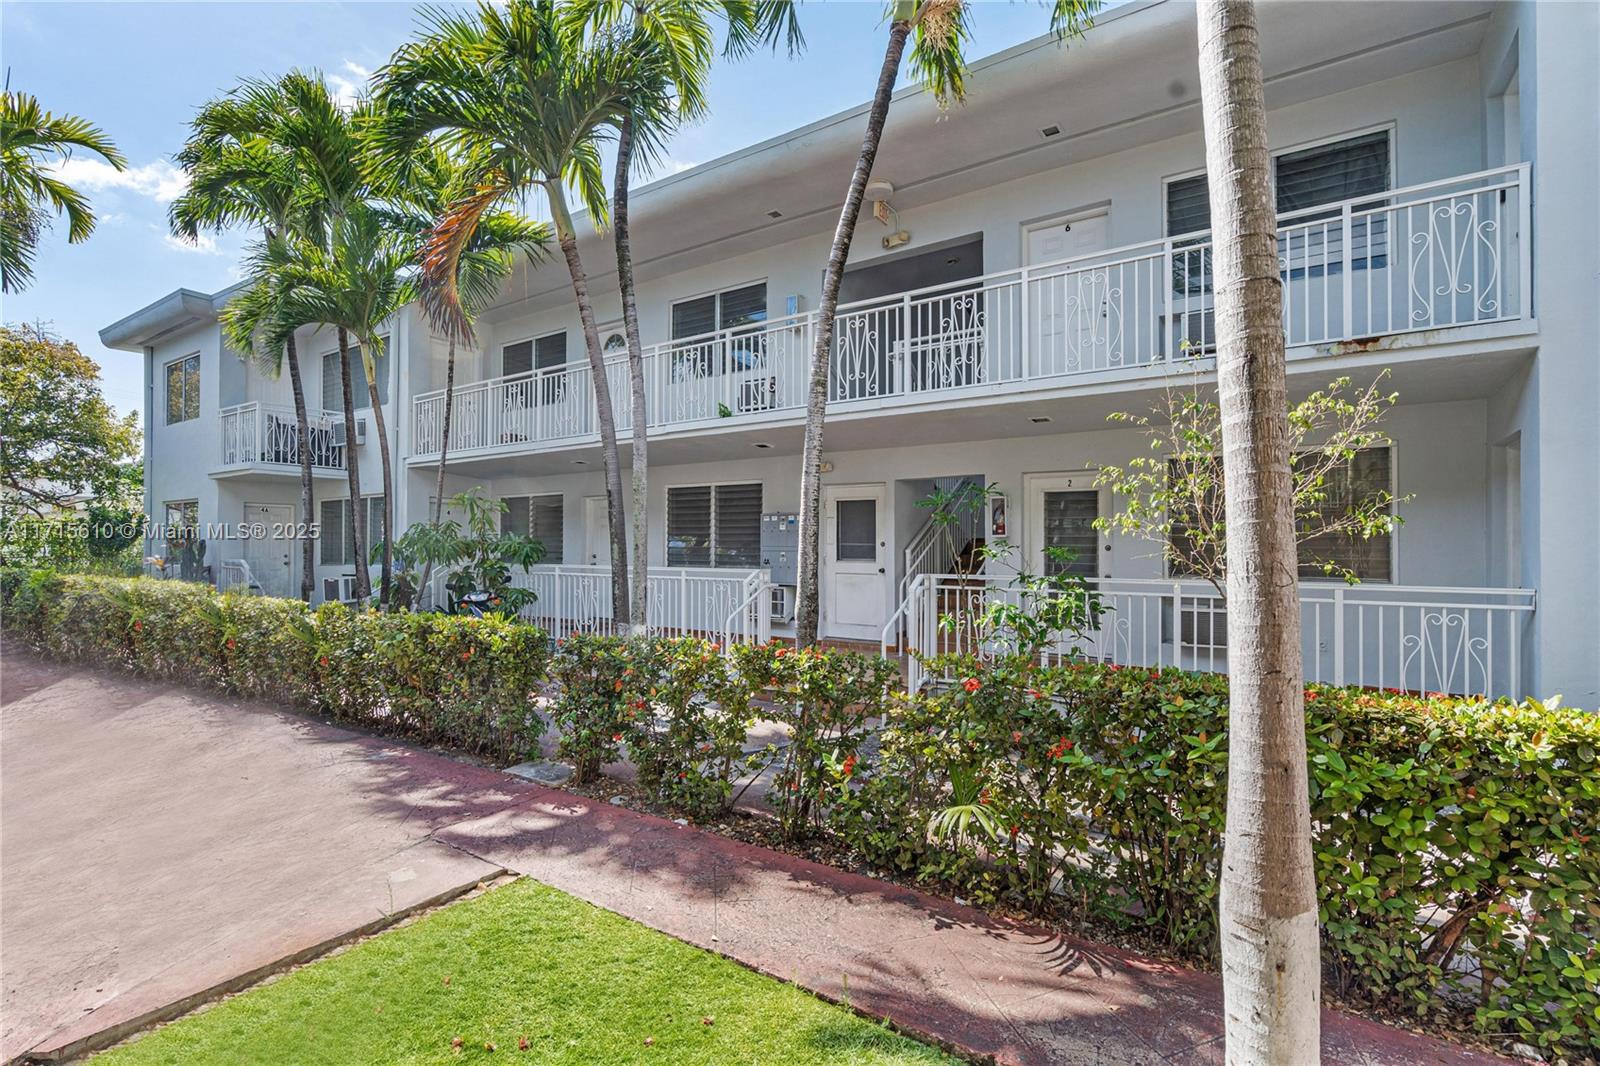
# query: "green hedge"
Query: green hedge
{"points": [[464, 683], [1457, 842]]}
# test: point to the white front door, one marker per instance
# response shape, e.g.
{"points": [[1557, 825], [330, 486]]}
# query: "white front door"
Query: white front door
{"points": [[596, 532], [1062, 509], [271, 556], [1069, 307], [855, 580]]}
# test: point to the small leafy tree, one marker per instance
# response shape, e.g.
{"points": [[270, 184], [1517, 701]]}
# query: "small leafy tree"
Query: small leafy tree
{"points": [[480, 557], [1174, 493]]}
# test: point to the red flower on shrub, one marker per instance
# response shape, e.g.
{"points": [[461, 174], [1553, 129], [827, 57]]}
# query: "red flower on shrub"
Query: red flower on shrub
{"points": [[138, 627], [1035, 694], [324, 660], [849, 765], [781, 652], [231, 644], [1310, 695], [1016, 736], [972, 684], [1062, 747], [616, 736]]}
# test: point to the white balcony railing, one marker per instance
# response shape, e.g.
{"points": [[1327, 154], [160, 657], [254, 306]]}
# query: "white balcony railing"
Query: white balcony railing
{"points": [[262, 434], [730, 606], [1417, 638], [1446, 254]]}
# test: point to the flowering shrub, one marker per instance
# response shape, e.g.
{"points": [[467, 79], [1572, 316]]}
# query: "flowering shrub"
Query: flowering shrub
{"points": [[596, 700], [692, 716], [461, 682], [824, 697], [1457, 841]]}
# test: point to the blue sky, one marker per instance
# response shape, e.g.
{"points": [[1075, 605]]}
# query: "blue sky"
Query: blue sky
{"points": [[139, 70]]}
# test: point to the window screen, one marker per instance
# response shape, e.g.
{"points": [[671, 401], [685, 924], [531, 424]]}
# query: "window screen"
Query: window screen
{"points": [[1365, 479], [691, 318], [718, 526], [689, 526], [539, 517], [1069, 524], [1343, 170], [550, 350], [738, 525], [1328, 173], [516, 358], [332, 390], [855, 530], [335, 536], [1188, 206], [183, 389], [1367, 475], [547, 524]]}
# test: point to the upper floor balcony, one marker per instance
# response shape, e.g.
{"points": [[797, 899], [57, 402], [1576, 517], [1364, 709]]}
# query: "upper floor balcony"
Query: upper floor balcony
{"points": [[264, 438], [1436, 257]]}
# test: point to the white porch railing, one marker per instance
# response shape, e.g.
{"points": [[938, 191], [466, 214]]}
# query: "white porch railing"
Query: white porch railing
{"points": [[1412, 637], [730, 606], [1448, 253], [256, 433]]}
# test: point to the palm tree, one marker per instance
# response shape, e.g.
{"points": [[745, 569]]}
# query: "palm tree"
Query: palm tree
{"points": [[356, 284], [432, 186], [31, 139], [239, 175], [527, 106], [938, 56], [677, 36], [1268, 907]]}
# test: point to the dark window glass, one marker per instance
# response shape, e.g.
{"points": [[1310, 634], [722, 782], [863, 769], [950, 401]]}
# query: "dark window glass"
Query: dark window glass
{"points": [[855, 535], [689, 526], [1069, 524]]}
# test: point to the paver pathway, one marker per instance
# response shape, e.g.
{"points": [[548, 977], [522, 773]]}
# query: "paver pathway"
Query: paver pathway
{"points": [[156, 842]]}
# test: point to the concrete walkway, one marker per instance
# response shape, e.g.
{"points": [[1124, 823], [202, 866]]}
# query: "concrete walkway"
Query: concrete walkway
{"points": [[159, 844]]}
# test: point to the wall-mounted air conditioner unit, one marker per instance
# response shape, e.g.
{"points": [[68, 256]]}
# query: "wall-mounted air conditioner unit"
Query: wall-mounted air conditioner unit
{"points": [[339, 589], [783, 603], [339, 440]]}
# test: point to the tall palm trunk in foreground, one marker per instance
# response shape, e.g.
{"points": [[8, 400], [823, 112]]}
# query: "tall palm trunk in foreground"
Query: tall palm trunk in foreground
{"points": [[817, 392], [308, 545], [639, 594], [369, 364], [358, 512], [567, 238], [1270, 966], [444, 453]]}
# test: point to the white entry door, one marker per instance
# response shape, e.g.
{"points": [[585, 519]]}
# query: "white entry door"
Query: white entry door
{"points": [[855, 579], [1062, 509], [271, 557], [1069, 308], [596, 532]]}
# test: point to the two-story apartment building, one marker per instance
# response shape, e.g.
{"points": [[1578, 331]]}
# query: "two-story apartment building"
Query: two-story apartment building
{"points": [[1042, 261]]}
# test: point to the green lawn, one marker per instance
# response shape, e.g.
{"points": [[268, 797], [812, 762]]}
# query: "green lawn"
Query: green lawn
{"points": [[581, 984]]}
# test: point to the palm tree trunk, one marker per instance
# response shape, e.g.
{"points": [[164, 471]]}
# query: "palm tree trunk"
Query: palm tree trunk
{"points": [[1270, 965], [444, 450], [821, 356], [369, 363], [352, 466], [640, 592], [308, 545], [568, 239]]}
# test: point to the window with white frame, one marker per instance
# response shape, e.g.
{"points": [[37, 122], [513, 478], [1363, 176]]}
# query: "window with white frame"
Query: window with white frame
{"points": [[183, 389], [539, 353], [333, 390], [1346, 169], [741, 310], [539, 517], [1365, 478], [714, 525], [336, 532]]}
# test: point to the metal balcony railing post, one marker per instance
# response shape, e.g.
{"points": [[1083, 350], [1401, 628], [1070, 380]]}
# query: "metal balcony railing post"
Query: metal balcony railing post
{"points": [[1338, 636]]}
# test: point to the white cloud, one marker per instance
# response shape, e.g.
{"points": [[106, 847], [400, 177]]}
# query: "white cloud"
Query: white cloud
{"points": [[160, 180], [204, 244], [348, 86]]}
